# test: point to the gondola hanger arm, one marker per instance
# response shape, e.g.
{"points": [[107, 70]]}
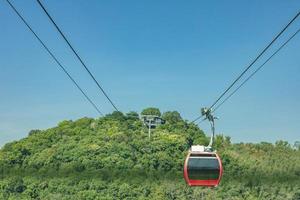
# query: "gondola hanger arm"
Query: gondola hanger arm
{"points": [[208, 114]]}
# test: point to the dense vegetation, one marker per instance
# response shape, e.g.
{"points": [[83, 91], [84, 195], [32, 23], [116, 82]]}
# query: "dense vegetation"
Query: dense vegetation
{"points": [[112, 158]]}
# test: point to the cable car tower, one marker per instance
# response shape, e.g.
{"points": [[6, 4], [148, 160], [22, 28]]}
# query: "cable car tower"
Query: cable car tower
{"points": [[203, 166], [151, 122]]}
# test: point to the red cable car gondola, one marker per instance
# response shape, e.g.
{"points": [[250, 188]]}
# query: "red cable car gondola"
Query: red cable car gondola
{"points": [[202, 168]]}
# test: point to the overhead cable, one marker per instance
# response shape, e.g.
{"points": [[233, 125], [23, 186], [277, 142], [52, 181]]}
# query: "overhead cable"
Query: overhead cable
{"points": [[77, 55], [54, 58], [254, 61], [259, 68]]}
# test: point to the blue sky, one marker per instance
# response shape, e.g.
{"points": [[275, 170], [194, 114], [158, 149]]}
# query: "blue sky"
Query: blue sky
{"points": [[174, 55]]}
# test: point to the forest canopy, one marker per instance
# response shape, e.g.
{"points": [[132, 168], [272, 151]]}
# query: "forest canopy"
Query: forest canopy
{"points": [[111, 157]]}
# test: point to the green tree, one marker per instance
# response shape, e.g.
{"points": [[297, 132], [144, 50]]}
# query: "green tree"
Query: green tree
{"points": [[282, 144], [132, 115], [172, 117], [151, 111]]}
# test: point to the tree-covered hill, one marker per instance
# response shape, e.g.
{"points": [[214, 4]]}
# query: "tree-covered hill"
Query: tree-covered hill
{"points": [[112, 158]]}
